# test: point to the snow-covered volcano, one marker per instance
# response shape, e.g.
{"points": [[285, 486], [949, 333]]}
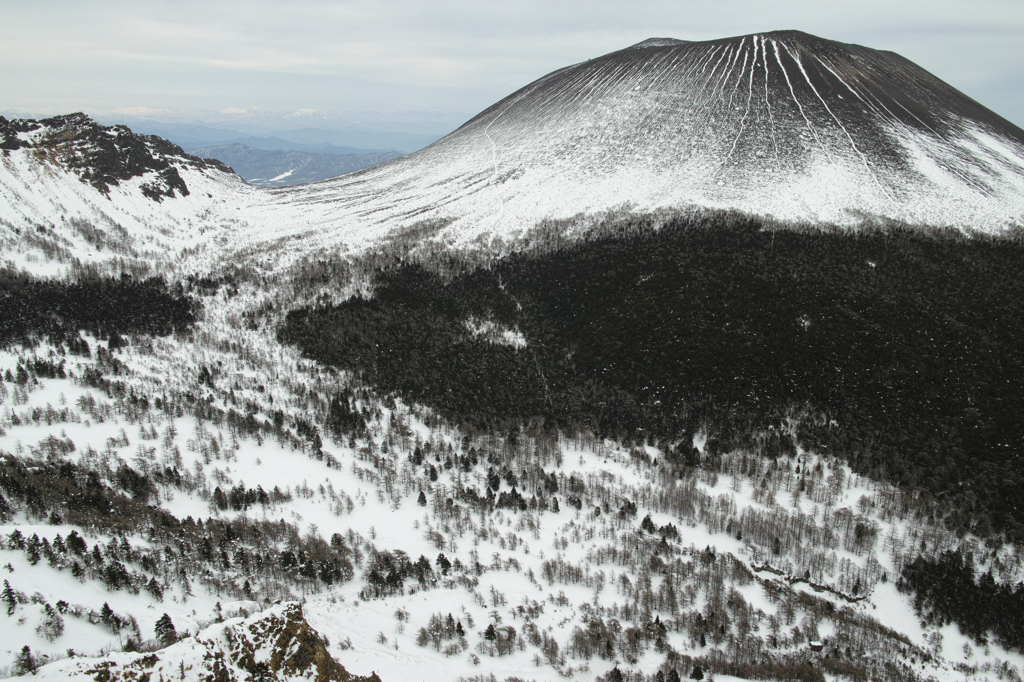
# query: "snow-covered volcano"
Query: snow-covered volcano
{"points": [[780, 124]]}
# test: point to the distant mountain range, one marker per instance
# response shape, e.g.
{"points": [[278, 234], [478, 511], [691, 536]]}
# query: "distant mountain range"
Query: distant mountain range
{"points": [[403, 132], [193, 136], [276, 168], [361, 132], [279, 144], [262, 122]]}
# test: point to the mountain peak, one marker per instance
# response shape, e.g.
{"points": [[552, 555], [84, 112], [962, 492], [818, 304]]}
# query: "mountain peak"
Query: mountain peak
{"points": [[658, 42], [782, 124]]}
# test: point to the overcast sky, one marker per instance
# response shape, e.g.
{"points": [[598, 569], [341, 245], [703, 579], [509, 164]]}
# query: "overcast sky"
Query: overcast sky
{"points": [[456, 55]]}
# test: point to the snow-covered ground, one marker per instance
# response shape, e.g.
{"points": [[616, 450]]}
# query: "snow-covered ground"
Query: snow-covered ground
{"points": [[547, 574], [759, 558], [51, 220]]}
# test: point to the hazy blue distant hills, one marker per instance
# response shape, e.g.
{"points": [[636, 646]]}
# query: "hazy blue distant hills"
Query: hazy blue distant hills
{"points": [[192, 135], [278, 168], [405, 142], [279, 144], [318, 132]]}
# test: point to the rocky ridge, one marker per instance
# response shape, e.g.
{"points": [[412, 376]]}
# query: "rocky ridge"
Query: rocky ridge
{"points": [[75, 193], [275, 645], [105, 156]]}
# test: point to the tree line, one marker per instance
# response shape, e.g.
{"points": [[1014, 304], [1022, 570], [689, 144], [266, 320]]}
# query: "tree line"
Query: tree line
{"points": [[895, 349]]}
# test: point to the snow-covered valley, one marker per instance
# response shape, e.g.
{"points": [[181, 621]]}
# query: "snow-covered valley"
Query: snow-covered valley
{"points": [[588, 557], [178, 492]]}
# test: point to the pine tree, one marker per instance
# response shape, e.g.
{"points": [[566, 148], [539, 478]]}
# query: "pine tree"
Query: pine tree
{"points": [[32, 549], [109, 618], [9, 598], [155, 589], [165, 632], [52, 625], [673, 675], [16, 540], [75, 543], [421, 500], [25, 662], [697, 674], [186, 587], [490, 634]]}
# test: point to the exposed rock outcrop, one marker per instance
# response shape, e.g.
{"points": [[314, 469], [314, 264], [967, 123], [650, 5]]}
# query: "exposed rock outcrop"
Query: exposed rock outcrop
{"points": [[272, 646]]}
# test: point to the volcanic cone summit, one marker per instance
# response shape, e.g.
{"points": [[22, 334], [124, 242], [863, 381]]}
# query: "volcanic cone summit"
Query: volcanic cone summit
{"points": [[780, 124]]}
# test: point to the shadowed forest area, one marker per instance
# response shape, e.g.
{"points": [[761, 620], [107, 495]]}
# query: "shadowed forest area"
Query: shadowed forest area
{"points": [[894, 349], [102, 305]]}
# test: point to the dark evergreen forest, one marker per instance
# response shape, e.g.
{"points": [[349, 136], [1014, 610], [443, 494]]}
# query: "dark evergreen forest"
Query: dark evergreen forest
{"points": [[104, 306], [896, 349], [946, 591]]}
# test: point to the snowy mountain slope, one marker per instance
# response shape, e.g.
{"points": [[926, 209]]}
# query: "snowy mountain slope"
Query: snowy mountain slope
{"points": [[780, 124], [215, 468], [74, 191]]}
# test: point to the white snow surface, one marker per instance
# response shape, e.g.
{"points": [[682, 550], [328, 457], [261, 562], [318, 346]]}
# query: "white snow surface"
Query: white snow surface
{"points": [[364, 634], [43, 203]]}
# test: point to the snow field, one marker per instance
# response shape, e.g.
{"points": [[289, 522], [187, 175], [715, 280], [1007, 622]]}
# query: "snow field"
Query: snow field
{"points": [[516, 542]]}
